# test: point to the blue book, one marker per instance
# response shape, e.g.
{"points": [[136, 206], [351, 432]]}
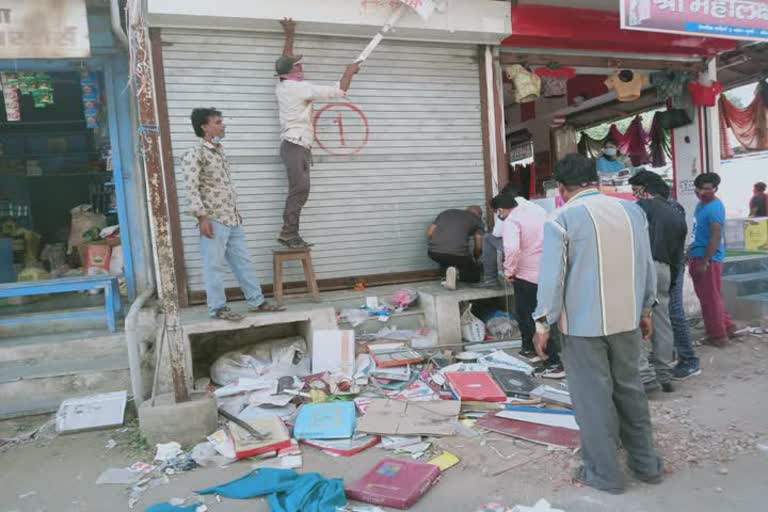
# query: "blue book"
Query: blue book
{"points": [[330, 420]]}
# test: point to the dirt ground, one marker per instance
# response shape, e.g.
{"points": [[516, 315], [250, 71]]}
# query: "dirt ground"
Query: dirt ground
{"points": [[712, 432]]}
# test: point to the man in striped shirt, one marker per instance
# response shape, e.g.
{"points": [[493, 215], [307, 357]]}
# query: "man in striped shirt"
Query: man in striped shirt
{"points": [[598, 281]]}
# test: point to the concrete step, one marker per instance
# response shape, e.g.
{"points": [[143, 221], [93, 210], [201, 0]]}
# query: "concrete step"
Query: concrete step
{"points": [[38, 385], [752, 309], [37, 323], [412, 319], [745, 264], [85, 344], [740, 285]]}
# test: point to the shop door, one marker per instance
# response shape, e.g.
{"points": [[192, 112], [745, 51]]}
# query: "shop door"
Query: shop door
{"points": [[404, 146]]}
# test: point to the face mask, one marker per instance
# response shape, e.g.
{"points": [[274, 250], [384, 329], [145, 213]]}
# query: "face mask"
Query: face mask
{"points": [[610, 151], [216, 140], [296, 76]]}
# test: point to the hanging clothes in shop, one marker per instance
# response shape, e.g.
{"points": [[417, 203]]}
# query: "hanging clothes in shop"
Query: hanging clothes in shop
{"points": [[640, 146], [726, 151], [705, 95], [749, 125], [584, 87], [671, 85], [589, 147], [627, 84], [636, 142], [527, 84], [659, 144], [554, 80]]}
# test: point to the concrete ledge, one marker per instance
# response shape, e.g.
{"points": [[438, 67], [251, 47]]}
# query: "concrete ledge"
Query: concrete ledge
{"points": [[186, 423], [441, 309]]}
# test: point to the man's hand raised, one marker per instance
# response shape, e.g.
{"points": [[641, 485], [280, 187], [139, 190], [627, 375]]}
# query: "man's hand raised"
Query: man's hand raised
{"points": [[289, 26]]}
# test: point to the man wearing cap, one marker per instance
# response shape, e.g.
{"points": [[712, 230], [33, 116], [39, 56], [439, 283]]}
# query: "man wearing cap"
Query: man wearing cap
{"points": [[295, 98]]}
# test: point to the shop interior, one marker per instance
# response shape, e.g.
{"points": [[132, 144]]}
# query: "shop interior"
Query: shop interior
{"points": [[58, 211], [555, 105]]}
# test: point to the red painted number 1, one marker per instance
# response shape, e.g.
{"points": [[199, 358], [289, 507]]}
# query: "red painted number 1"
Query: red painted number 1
{"points": [[340, 123]]}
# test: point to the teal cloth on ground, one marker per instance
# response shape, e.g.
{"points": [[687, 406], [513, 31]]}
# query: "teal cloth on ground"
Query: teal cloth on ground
{"points": [[167, 507], [286, 490]]}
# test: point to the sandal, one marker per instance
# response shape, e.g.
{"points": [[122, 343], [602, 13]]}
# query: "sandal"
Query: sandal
{"points": [[227, 314], [266, 307]]}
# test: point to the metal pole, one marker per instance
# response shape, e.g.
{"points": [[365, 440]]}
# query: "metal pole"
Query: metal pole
{"points": [[143, 82]]}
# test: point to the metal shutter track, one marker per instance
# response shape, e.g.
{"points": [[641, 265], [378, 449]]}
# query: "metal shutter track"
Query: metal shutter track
{"points": [[367, 213]]}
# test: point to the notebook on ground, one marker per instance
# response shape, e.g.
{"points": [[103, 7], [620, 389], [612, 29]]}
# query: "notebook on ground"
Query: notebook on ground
{"points": [[513, 382], [475, 387], [394, 483], [330, 420]]}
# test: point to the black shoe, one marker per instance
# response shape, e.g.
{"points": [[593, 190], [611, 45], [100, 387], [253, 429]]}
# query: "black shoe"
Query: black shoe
{"points": [[684, 370], [651, 387], [667, 387]]}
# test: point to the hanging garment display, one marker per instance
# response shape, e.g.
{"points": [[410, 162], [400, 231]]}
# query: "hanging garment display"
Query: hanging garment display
{"points": [[671, 85], [750, 124], [584, 87], [641, 147], [659, 145], [89, 87], [554, 81], [628, 84], [673, 118], [636, 140], [527, 85], [726, 151], [705, 95]]}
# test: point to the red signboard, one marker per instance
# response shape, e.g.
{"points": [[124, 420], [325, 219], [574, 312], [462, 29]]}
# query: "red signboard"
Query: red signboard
{"points": [[729, 19]]}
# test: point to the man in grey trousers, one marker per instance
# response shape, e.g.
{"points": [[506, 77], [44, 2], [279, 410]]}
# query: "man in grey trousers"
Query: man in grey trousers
{"points": [[598, 281], [295, 99]]}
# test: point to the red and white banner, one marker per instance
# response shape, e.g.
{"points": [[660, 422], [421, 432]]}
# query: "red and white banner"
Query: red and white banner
{"points": [[729, 19]]}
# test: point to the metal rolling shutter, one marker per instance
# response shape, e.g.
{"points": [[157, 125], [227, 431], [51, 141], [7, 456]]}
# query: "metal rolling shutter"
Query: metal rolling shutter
{"points": [[367, 211]]}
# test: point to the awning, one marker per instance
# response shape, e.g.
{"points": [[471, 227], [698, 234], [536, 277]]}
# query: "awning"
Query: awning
{"points": [[556, 27]]}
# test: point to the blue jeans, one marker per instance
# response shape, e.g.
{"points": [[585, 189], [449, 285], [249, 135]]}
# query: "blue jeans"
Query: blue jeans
{"points": [[682, 333], [228, 243]]}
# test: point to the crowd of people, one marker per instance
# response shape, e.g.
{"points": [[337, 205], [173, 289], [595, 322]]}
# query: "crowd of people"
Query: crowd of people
{"points": [[600, 282]]}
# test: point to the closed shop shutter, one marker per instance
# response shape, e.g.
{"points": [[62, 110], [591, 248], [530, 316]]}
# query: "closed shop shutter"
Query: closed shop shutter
{"points": [[404, 146]]}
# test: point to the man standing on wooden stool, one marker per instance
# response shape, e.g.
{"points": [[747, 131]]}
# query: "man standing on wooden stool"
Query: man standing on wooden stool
{"points": [[213, 201], [295, 98]]}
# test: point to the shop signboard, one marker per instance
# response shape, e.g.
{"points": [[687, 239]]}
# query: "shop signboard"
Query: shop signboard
{"points": [[729, 19], [43, 29]]}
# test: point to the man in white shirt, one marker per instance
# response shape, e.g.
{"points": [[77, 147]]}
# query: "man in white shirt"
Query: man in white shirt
{"points": [[295, 98]]}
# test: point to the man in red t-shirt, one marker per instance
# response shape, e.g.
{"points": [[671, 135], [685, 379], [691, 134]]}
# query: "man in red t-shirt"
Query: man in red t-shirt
{"points": [[758, 205]]}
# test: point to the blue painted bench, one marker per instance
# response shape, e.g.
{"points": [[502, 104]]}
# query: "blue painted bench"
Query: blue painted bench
{"points": [[109, 283]]}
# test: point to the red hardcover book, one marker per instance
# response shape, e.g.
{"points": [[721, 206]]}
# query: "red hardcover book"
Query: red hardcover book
{"points": [[394, 483], [475, 387], [533, 432]]}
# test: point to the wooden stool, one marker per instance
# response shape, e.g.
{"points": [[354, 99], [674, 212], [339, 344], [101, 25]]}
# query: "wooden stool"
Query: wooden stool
{"points": [[282, 255]]}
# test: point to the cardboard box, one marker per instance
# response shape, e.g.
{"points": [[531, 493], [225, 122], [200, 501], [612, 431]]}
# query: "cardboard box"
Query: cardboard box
{"points": [[756, 234]]}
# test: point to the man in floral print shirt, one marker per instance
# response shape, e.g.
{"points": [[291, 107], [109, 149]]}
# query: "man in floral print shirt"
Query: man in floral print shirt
{"points": [[213, 202]]}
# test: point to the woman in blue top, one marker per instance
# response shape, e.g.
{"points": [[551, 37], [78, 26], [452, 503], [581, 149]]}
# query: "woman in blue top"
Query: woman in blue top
{"points": [[611, 161]]}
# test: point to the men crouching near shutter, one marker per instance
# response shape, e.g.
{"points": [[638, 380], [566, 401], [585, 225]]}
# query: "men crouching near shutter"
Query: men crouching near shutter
{"points": [[295, 98], [213, 201]]}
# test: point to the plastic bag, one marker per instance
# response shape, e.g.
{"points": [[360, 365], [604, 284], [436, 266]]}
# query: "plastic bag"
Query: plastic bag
{"points": [[472, 328], [286, 357], [500, 328], [83, 219]]}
